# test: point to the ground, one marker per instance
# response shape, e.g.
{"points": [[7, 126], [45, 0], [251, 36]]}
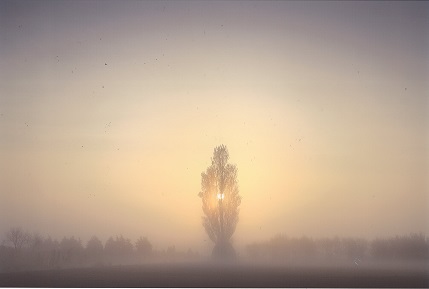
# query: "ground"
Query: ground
{"points": [[203, 274]]}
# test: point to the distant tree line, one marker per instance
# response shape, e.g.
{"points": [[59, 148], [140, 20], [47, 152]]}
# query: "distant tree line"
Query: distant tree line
{"points": [[414, 246], [402, 248], [20, 250]]}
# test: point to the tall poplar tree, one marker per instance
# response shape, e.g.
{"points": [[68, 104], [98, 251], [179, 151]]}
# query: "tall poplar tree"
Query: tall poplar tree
{"points": [[220, 198]]}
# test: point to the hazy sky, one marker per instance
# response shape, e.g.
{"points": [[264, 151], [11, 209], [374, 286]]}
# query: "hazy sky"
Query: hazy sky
{"points": [[110, 111]]}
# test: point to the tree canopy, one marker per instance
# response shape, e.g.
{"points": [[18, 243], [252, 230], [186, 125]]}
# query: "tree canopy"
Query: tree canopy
{"points": [[220, 197]]}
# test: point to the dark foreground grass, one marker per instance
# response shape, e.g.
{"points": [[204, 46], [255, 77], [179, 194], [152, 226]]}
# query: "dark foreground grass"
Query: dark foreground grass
{"points": [[218, 275]]}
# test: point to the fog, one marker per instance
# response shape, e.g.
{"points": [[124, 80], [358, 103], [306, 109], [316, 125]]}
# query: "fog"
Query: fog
{"points": [[111, 111]]}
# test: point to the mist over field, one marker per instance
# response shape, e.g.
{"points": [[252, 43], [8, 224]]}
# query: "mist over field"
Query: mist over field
{"points": [[241, 137]]}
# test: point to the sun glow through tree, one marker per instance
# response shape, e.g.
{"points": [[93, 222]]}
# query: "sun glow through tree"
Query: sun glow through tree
{"points": [[219, 194]]}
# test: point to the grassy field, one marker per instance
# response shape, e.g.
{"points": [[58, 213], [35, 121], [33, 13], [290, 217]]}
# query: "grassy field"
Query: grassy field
{"points": [[218, 275]]}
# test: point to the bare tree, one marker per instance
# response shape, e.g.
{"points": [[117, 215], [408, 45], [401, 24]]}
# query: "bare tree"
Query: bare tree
{"points": [[17, 237], [118, 249], [94, 248], [71, 251], [143, 246], [220, 197]]}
